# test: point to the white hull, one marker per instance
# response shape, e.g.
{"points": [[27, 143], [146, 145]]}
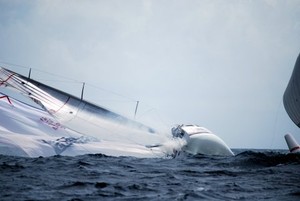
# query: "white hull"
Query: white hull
{"points": [[207, 144], [201, 141]]}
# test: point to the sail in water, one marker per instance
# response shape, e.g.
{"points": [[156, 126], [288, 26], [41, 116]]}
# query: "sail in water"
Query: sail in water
{"points": [[79, 127], [78, 114]]}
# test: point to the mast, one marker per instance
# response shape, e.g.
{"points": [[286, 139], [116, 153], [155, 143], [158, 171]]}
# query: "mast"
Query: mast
{"points": [[53, 100]]}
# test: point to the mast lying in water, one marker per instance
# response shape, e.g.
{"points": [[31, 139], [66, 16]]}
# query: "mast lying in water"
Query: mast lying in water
{"points": [[70, 110]]}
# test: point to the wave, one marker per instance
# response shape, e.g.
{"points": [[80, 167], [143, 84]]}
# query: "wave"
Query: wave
{"points": [[250, 175], [266, 159]]}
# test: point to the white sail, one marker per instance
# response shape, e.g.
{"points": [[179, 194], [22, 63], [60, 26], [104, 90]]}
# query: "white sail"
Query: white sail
{"points": [[32, 132], [78, 114], [291, 97]]}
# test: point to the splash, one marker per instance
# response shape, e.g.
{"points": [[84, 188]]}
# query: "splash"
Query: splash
{"points": [[173, 146]]}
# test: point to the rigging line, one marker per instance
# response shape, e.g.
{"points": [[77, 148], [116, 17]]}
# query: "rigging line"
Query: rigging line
{"points": [[7, 98], [75, 81], [113, 130], [5, 81], [12, 64], [146, 112], [68, 78], [112, 92], [114, 100], [29, 87], [57, 75], [36, 69], [275, 124], [62, 105], [162, 119], [62, 81]]}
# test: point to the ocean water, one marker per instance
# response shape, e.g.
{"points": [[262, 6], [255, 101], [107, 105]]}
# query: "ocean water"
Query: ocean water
{"points": [[250, 175]]}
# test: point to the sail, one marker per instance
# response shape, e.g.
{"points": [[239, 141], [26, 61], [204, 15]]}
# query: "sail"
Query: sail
{"points": [[68, 125], [291, 97], [75, 113]]}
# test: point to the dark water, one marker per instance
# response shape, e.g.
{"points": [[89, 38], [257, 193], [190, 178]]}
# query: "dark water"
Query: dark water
{"points": [[250, 175]]}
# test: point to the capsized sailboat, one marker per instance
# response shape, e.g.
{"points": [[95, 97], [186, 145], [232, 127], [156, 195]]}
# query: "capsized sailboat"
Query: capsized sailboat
{"points": [[68, 125]]}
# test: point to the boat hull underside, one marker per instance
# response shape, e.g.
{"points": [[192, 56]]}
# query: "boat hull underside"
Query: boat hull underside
{"points": [[207, 144]]}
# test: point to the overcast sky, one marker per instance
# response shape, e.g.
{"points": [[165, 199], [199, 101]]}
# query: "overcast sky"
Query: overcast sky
{"points": [[220, 64]]}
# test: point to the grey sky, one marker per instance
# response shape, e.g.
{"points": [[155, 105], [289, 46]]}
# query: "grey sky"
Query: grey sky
{"points": [[220, 64]]}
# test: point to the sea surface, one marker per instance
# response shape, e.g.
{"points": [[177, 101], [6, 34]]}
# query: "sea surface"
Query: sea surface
{"points": [[250, 175]]}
